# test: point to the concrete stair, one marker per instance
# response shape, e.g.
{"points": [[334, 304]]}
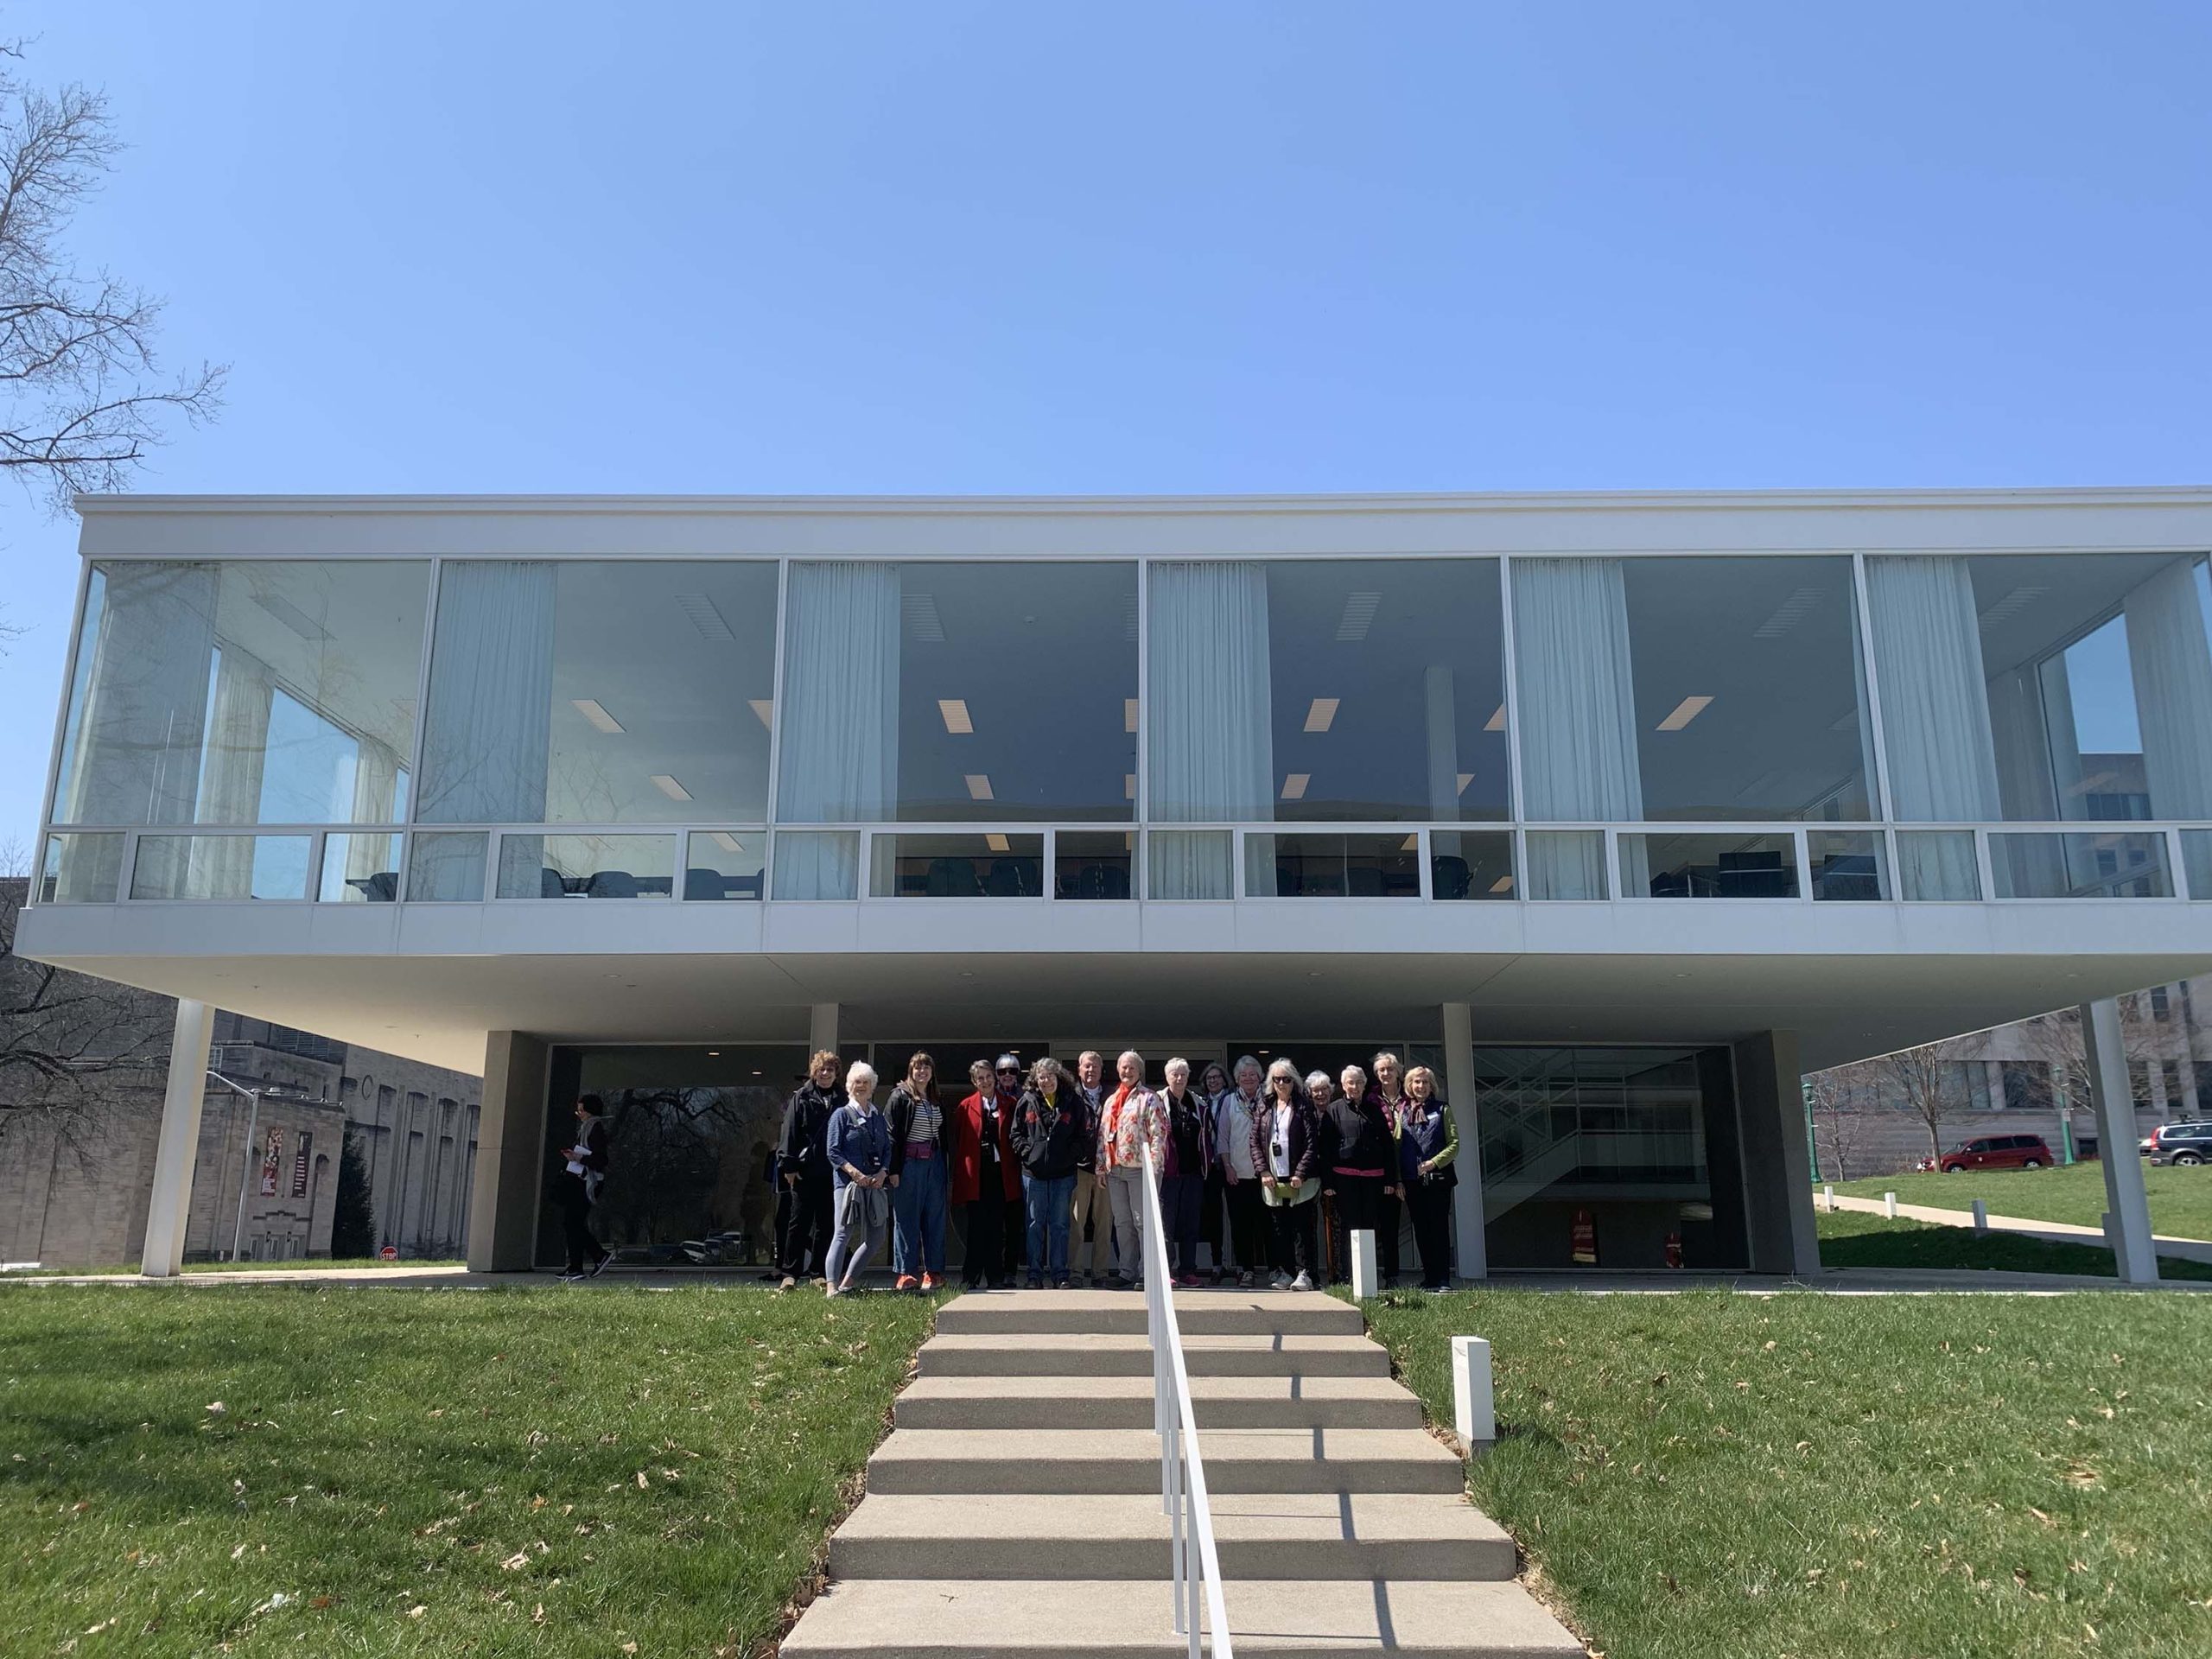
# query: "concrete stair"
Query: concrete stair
{"points": [[1015, 1508]]}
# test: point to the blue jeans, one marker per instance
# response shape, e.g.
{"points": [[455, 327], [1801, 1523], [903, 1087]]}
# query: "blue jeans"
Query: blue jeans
{"points": [[1050, 1200], [918, 1208]]}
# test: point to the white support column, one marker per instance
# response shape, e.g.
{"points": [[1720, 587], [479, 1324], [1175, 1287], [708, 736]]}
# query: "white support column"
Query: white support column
{"points": [[2125, 1198], [821, 1028], [178, 1149], [1470, 1251]]}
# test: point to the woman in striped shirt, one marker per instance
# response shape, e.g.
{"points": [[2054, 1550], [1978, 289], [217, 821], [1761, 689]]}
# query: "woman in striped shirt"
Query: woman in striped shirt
{"points": [[917, 1177]]}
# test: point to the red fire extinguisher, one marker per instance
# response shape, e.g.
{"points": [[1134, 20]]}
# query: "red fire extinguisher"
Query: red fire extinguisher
{"points": [[1582, 1239], [1673, 1250]]}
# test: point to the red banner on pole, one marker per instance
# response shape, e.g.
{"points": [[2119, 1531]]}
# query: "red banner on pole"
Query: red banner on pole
{"points": [[272, 1156], [1584, 1239]]}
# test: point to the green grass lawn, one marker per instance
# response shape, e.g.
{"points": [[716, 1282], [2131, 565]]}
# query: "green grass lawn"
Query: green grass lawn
{"points": [[1852, 1239], [1708, 1476], [2181, 1199], [547, 1471]]}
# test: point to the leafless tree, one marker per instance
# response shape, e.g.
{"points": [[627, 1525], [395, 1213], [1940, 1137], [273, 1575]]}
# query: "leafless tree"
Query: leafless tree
{"points": [[2055, 1039], [82, 398], [61, 1033], [1840, 1098], [1928, 1081]]}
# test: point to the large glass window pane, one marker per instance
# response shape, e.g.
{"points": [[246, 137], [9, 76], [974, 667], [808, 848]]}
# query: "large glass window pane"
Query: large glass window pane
{"points": [[1332, 867], [1567, 864], [1327, 689], [1709, 867], [1706, 689], [81, 869], [269, 691], [1467, 864], [2074, 686], [447, 867], [587, 691], [1848, 864], [987, 865], [1188, 863], [586, 867], [2124, 864], [1093, 863], [2196, 861], [959, 693], [725, 864], [221, 866], [360, 869]]}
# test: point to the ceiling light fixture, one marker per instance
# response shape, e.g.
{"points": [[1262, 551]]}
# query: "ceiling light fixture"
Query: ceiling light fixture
{"points": [[1411, 843], [1788, 614], [1359, 615], [727, 841], [1129, 786], [922, 620], [1322, 714], [705, 618], [1465, 778], [589, 707], [1129, 714], [1496, 721], [1503, 884], [954, 712], [979, 786], [1293, 786], [764, 711], [996, 842], [1685, 711], [670, 787], [2011, 605]]}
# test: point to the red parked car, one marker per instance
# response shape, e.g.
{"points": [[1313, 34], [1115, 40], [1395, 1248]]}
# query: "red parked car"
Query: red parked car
{"points": [[1998, 1152]]}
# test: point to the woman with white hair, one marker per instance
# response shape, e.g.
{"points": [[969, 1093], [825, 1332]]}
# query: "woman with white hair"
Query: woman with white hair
{"points": [[1131, 1120], [1285, 1142], [859, 1163]]}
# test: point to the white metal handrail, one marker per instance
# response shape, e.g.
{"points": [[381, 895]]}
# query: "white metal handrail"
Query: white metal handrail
{"points": [[1182, 1470]]}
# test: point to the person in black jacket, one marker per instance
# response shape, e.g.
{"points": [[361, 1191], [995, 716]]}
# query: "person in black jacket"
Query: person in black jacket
{"points": [[1359, 1165], [802, 1162], [1052, 1130], [1285, 1148], [583, 1167]]}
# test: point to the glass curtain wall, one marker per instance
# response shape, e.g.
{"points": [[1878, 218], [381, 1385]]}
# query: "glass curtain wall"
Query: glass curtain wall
{"points": [[2040, 688]]}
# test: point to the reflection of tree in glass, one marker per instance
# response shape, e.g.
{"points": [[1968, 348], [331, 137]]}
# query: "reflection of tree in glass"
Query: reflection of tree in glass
{"points": [[685, 1164]]}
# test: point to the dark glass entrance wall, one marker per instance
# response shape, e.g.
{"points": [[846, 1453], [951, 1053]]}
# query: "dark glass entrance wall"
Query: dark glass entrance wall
{"points": [[1628, 1155], [692, 1131]]}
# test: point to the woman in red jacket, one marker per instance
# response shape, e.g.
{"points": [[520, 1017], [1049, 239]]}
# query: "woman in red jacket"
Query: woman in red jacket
{"points": [[985, 1174]]}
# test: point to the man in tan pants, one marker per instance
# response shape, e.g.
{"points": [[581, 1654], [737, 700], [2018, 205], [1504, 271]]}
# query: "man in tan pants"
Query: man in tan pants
{"points": [[1096, 1257]]}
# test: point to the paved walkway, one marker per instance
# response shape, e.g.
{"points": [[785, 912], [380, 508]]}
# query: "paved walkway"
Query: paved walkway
{"points": [[2053, 1232]]}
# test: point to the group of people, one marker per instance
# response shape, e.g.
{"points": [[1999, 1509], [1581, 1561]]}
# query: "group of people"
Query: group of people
{"points": [[1045, 1164]]}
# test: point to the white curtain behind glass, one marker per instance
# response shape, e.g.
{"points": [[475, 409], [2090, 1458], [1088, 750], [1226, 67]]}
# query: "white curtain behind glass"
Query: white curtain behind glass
{"points": [[1936, 724], [1209, 695], [135, 747], [487, 733], [1577, 708], [2171, 663], [231, 766], [840, 708]]}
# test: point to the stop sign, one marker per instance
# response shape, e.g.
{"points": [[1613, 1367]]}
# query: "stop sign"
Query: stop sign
{"points": [[390, 1253]]}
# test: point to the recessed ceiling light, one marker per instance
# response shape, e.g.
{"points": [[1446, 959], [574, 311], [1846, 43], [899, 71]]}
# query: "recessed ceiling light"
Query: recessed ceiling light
{"points": [[1503, 884], [996, 842], [727, 841], [1788, 614], [590, 710], [1685, 711], [1411, 843], [979, 786], [670, 787], [954, 712], [1129, 714], [1293, 786], [1359, 615], [922, 620], [1496, 721], [1465, 778], [1129, 786], [1322, 714], [764, 710], [713, 1054], [705, 618]]}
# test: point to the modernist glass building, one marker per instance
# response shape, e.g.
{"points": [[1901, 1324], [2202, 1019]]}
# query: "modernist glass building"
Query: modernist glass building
{"points": [[1619, 811]]}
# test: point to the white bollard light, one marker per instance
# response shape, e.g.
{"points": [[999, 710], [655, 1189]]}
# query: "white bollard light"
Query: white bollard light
{"points": [[1982, 1215], [1473, 1412], [1889, 1205], [1830, 1191], [1362, 1263]]}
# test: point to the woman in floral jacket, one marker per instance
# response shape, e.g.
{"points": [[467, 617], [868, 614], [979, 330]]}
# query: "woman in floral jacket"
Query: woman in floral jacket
{"points": [[1131, 1119]]}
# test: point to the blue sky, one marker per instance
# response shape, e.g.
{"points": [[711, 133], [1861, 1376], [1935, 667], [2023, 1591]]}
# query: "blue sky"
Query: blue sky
{"points": [[1216, 247]]}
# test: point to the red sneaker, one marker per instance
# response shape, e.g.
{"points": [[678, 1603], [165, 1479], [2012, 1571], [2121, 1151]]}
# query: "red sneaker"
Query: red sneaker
{"points": [[929, 1283], [905, 1282]]}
